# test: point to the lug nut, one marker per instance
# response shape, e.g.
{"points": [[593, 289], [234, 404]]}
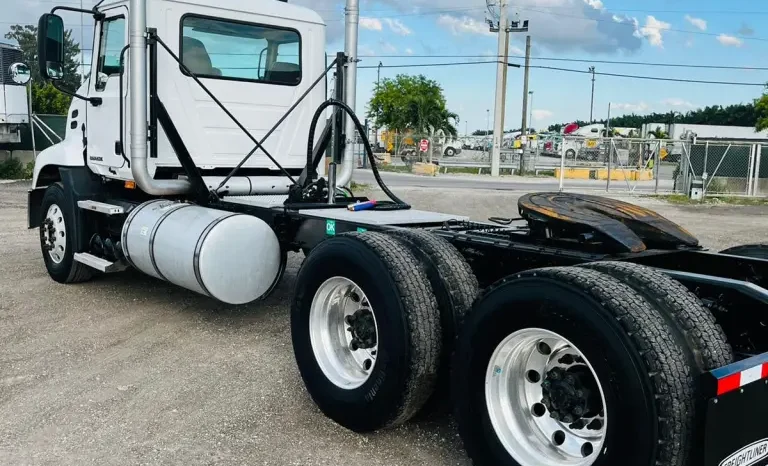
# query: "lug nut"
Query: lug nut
{"points": [[596, 424]]}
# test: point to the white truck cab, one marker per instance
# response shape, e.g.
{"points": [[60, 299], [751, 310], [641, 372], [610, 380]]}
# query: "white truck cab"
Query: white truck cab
{"points": [[256, 61]]}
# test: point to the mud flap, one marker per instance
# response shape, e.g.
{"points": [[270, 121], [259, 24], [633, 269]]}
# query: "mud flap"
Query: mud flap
{"points": [[736, 431]]}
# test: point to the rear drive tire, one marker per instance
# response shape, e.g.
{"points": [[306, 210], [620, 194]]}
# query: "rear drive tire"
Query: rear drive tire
{"points": [[450, 152], [58, 226], [619, 347], [455, 287], [378, 280], [755, 251], [570, 153], [689, 320]]}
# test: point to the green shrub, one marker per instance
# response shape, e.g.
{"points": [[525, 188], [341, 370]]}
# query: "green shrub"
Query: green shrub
{"points": [[12, 169]]}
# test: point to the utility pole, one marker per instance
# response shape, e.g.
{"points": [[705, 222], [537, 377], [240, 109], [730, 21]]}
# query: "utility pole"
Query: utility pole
{"points": [[524, 129], [504, 27], [504, 83], [592, 102], [498, 129], [488, 122]]}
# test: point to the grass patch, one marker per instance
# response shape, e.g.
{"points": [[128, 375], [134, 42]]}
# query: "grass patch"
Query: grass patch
{"points": [[12, 169], [355, 186], [394, 168], [681, 199]]}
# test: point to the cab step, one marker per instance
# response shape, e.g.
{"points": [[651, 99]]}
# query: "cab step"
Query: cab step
{"points": [[102, 265], [101, 207]]}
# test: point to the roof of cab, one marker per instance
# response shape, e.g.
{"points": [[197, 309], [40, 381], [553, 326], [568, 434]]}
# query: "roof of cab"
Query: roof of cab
{"points": [[272, 8]]}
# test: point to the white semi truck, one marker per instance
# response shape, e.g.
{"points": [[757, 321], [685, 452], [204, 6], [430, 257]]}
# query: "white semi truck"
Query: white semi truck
{"points": [[14, 103], [586, 332]]}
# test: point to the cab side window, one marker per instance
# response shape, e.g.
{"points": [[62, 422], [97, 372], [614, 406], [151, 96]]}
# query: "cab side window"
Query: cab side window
{"points": [[110, 45]]}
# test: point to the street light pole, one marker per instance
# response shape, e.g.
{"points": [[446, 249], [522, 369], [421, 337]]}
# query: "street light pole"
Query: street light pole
{"points": [[592, 102], [378, 115], [530, 119]]}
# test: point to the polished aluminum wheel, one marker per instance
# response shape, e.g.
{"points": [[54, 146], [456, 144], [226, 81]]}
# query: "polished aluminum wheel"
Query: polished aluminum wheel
{"points": [[53, 233], [343, 332], [545, 401]]}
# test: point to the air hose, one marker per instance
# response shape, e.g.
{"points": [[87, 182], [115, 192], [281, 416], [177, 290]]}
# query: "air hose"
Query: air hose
{"points": [[398, 204]]}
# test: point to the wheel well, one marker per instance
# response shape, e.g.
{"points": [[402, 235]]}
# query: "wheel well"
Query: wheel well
{"points": [[48, 175]]}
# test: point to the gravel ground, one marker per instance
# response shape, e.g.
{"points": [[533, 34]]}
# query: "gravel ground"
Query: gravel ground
{"points": [[130, 370]]}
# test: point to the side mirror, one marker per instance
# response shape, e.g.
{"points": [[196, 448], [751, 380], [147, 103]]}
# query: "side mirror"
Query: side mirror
{"points": [[50, 46], [19, 73]]}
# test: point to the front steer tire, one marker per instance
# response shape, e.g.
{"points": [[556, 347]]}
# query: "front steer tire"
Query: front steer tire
{"points": [[641, 368], [66, 270], [408, 325]]}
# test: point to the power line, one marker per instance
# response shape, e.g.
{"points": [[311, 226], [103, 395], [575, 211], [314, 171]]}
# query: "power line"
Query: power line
{"points": [[425, 65], [698, 12], [651, 78], [424, 13], [585, 60], [569, 70]]}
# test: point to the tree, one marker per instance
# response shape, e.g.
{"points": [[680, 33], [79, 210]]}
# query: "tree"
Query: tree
{"points": [[411, 103], [761, 111], [45, 98]]}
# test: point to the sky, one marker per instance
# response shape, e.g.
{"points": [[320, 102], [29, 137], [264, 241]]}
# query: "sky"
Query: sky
{"points": [[403, 33]]}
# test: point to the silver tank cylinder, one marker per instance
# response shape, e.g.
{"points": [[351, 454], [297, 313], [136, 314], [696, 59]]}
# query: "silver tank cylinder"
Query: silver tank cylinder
{"points": [[231, 257]]}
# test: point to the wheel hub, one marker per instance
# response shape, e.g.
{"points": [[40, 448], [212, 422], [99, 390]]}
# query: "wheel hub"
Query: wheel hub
{"points": [[571, 395], [53, 234], [544, 400], [343, 332], [362, 328]]}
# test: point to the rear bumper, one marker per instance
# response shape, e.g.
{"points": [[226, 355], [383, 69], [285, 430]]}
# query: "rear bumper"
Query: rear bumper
{"points": [[736, 431]]}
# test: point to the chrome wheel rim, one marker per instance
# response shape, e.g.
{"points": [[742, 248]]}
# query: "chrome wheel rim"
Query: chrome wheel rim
{"points": [[53, 234], [544, 400], [343, 332]]}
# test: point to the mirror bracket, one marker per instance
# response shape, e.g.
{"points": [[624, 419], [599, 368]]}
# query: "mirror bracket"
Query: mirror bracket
{"points": [[95, 101]]}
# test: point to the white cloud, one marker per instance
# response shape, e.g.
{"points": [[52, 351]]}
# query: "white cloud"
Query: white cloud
{"points": [[513, 50], [638, 107], [596, 31], [386, 47], [653, 29], [689, 43], [372, 24], [729, 41], [398, 27], [677, 102], [464, 25], [698, 23], [409, 51], [539, 115], [596, 4]]}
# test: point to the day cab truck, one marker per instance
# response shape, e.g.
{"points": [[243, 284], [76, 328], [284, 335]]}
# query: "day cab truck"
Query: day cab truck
{"points": [[577, 331]]}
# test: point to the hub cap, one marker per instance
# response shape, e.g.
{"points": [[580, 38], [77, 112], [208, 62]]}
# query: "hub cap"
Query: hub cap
{"points": [[544, 400], [343, 332], [53, 234]]}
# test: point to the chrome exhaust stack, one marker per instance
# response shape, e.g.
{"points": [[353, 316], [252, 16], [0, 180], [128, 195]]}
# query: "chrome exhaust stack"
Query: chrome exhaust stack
{"points": [[137, 84]]}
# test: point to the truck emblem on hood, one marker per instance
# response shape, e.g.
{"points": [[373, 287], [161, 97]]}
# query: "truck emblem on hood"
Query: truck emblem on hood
{"points": [[748, 455]]}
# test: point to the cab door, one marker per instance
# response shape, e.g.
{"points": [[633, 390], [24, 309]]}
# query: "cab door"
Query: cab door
{"points": [[103, 126]]}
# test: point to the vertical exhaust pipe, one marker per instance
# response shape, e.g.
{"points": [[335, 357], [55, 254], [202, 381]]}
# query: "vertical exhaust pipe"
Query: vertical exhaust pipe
{"points": [[137, 85], [352, 20]]}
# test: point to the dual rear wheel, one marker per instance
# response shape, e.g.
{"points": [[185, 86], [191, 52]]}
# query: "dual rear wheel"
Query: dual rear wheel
{"points": [[581, 366]]}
